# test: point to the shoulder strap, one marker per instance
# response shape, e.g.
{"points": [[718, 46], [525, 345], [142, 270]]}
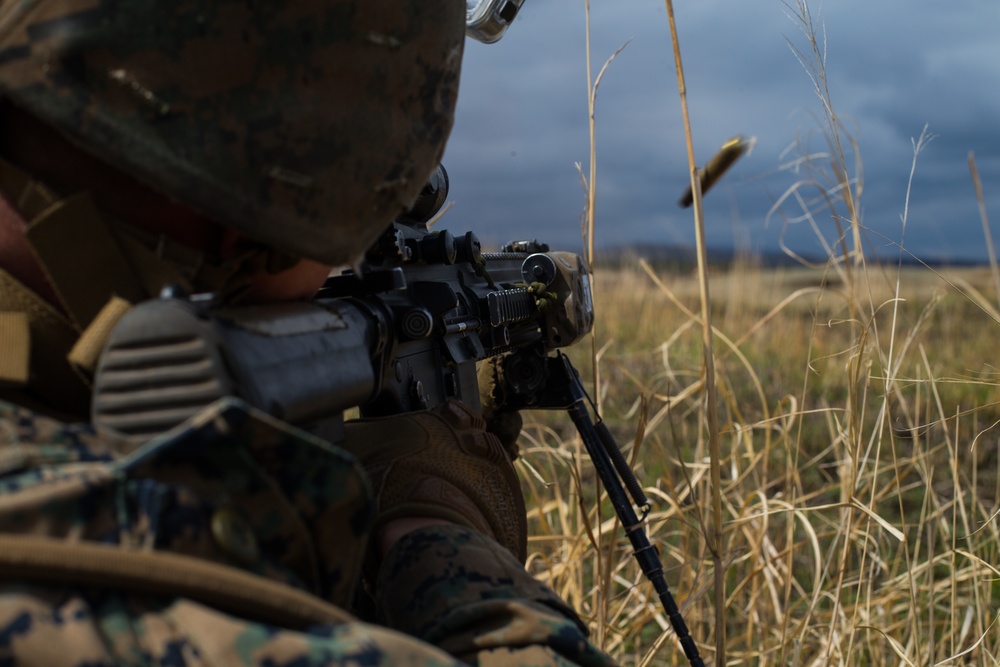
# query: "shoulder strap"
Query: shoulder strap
{"points": [[163, 574]]}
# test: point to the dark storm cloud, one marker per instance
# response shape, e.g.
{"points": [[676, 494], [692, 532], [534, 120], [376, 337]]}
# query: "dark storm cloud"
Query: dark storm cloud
{"points": [[522, 122]]}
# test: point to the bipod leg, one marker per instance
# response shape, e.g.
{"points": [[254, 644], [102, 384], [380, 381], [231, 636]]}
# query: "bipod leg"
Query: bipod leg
{"points": [[616, 476]]}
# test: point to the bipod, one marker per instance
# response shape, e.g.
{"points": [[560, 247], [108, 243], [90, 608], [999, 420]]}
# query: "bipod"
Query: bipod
{"points": [[564, 390]]}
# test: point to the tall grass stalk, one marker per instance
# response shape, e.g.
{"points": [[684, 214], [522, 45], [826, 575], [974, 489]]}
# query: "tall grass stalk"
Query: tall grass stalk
{"points": [[589, 228], [591, 187], [987, 234], [711, 395]]}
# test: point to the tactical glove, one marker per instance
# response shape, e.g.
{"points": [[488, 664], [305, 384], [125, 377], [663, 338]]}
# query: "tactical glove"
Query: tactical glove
{"points": [[442, 464], [504, 424]]}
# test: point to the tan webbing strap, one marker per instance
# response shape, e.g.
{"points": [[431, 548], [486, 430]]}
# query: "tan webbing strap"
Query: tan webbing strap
{"points": [[162, 574], [15, 348], [81, 258], [88, 347], [52, 335]]}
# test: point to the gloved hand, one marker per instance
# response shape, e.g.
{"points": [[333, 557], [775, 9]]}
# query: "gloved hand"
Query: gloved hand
{"points": [[442, 464], [505, 425]]}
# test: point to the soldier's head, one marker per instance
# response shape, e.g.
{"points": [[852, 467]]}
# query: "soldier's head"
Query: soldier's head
{"points": [[302, 126]]}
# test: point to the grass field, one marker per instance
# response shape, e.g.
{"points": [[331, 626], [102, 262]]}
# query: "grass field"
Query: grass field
{"points": [[827, 495], [860, 471], [845, 446]]}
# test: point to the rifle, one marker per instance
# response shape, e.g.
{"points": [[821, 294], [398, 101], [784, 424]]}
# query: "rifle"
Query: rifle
{"points": [[402, 332]]}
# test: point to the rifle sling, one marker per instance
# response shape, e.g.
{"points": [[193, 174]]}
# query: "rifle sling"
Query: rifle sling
{"points": [[162, 574]]}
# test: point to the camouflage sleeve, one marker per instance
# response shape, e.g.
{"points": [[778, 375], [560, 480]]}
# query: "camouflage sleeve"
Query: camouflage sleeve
{"points": [[461, 591]]}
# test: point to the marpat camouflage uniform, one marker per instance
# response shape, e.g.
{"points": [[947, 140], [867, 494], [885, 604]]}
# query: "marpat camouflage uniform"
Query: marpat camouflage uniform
{"points": [[237, 488]]}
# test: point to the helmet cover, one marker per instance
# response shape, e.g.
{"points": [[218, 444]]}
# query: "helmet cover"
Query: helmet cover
{"points": [[306, 125]]}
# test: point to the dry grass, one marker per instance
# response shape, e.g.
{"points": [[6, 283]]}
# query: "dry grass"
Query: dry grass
{"points": [[858, 510], [859, 466]]}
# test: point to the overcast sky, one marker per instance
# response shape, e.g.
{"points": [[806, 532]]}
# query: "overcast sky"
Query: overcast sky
{"points": [[893, 66]]}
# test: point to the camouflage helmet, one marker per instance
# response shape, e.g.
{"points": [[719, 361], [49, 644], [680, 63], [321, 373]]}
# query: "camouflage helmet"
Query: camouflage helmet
{"points": [[305, 125]]}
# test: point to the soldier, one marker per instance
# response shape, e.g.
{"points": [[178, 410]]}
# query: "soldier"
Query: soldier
{"points": [[240, 148]]}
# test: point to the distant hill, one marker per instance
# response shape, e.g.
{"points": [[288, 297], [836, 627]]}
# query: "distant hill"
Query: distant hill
{"points": [[685, 257]]}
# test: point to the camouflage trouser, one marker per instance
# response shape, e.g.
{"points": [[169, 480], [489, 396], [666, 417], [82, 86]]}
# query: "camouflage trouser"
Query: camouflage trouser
{"points": [[448, 588]]}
